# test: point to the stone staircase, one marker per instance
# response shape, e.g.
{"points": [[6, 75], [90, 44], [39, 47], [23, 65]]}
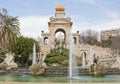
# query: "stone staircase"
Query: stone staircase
{"points": [[116, 64]]}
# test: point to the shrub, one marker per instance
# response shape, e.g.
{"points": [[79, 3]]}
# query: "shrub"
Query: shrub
{"points": [[55, 56]]}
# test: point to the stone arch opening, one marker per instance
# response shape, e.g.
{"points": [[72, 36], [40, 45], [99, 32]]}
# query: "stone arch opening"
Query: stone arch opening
{"points": [[60, 37], [46, 41], [74, 40], [60, 33]]}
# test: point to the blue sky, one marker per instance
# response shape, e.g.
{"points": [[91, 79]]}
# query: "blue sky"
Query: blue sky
{"points": [[85, 14]]}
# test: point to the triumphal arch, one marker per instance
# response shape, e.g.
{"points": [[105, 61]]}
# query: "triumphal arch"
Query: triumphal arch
{"points": [[60, 26]]}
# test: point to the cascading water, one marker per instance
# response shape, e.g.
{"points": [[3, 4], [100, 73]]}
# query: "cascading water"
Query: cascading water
{"points": [[83, 60], [34, 55], [73, 70]]}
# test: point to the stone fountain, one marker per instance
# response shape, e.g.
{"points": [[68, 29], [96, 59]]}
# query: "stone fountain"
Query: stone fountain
{"points": [[37, 68]]}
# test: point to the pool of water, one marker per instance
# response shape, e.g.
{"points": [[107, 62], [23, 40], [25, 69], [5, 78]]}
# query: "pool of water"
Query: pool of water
{"points": [[82, 79], [29, 78], [91, 79]]}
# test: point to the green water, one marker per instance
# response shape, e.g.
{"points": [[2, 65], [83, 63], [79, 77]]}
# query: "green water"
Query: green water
{"points": [[28, 78], [82, 79]]}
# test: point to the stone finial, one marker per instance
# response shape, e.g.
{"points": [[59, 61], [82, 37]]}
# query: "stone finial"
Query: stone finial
{"points": [[60, 8]]}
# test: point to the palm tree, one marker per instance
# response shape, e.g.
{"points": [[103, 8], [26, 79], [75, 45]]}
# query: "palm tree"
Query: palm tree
{"points": [[9, 30]]}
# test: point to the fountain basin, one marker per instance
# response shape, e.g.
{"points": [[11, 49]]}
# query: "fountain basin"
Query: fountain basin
{"points": [[82, 79]]}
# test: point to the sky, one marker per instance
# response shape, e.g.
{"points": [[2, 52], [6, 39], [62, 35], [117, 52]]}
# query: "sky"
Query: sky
{"points": [[85, 14]]}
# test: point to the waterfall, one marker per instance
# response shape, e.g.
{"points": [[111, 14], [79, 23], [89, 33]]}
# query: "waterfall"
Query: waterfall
{"points": [[34, 55], [83, 59]]}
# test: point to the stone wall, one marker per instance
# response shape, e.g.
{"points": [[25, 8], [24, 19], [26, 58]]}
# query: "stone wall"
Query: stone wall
{"points": [[64, 72]]}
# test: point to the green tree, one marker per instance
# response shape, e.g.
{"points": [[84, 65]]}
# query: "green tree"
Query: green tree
{"points": [[23, 48], [106, 43], [9, 29], [89, 37]]}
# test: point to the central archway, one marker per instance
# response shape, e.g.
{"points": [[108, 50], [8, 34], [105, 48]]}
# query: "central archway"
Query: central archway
{"points": [[60, 34], [60, 38]]}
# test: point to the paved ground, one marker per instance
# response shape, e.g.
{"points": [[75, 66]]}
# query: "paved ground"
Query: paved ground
{"points": [[49, 83]]}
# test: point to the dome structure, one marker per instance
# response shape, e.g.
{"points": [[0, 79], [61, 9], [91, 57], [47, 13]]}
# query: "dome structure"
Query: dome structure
{"points": [[60, 8]]}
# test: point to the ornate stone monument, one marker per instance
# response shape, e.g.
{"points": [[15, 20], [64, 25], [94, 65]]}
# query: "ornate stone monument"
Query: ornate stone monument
{"points": [[58, 23], [61, 23]]}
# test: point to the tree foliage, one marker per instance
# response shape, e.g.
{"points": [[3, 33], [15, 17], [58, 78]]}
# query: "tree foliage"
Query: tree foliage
{"points": [[9, 29], [89, 37], [23, 48], [106, 43], [115, 44]]}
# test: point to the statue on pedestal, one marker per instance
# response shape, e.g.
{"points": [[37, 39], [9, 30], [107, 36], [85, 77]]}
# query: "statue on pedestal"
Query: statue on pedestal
{"points": [[8, 62]]}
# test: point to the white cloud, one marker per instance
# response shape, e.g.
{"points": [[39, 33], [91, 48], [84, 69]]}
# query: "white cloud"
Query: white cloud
{"points": [[31, 26], [81, 26], [114, 24]]}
